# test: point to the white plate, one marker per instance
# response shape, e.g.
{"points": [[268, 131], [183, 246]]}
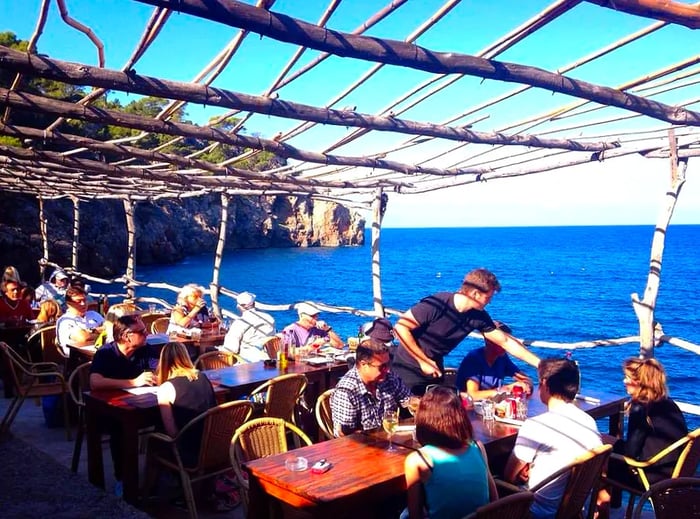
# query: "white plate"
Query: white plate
{"points": [[510, 421], [316, 361]]}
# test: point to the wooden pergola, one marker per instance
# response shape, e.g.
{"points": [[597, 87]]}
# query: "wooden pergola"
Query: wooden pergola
{"points": [[340, 151]]}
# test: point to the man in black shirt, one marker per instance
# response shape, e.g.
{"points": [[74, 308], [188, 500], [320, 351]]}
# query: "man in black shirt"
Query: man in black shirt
{"points": [[121, 364], [437, 324]]}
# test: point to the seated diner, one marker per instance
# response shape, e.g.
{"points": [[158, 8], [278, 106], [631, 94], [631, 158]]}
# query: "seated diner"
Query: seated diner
{"points": [[190, 311], [448, 477], [367, 390], [483, 370], [308, 332], [78, 326]]}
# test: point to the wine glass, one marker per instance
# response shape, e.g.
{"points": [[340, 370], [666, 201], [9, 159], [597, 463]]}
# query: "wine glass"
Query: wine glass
{"points": [[390, 421], [413, 403]]}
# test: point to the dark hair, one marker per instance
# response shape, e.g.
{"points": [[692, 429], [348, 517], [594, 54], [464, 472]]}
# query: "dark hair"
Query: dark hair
{"points": [[481, 279], [123, 324], [72, 292], [561, 376], [441, 420], [369, 348]]}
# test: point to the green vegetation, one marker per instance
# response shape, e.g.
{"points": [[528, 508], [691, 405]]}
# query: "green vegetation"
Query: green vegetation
{"points": [[144, 106]]}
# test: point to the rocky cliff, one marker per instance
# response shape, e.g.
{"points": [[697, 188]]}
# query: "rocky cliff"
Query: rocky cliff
{"points": [[168, 230]]}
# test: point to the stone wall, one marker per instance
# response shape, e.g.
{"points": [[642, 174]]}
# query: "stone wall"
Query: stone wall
{"points": [[168, 230]]}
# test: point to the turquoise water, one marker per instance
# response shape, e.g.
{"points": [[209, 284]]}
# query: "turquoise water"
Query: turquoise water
{"points": [[562, 284]]}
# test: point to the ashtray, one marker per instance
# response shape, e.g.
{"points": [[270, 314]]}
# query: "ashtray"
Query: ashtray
{"points": [[296, 463], [270, 363]]}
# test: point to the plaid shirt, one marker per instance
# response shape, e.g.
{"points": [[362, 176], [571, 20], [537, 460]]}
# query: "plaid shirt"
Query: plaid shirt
{"points": [[354, 408]]}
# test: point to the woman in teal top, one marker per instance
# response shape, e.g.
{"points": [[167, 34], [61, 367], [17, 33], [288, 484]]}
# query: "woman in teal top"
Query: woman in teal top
{"points": [[448, 477]]}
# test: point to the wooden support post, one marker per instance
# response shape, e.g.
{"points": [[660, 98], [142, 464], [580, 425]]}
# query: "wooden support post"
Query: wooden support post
{"points": [[131, 247], [378, 207], [644, 308], [76, 232], [44, 239], [214, 287]]}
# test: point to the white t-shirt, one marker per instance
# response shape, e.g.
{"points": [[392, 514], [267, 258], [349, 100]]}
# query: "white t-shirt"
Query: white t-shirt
{"points": [[66, 324], [248, 334], [549, 442]]}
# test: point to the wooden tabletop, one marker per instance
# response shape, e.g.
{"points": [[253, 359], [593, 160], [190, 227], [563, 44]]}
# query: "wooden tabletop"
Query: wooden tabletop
{"points": [[354, 482], [133, 412]]}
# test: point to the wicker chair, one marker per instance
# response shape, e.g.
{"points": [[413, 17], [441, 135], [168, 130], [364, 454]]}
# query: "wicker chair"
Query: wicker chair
{"points": [[148, 319], [50, 351], [160, 325], [672, 499], [688, 448], [272, 345], [32, 380], [583, 483], [78, 383], [259, 438], [516, 506], [281, 395], [219, 425], [217, 360], [323, 413]]}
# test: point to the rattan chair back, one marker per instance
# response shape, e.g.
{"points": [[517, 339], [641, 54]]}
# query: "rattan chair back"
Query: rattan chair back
{"points": [[515, 506], [160, 325], [282, 394], [217, 360], [672, 499], [272, 345], [259, 438], [324, 416]]}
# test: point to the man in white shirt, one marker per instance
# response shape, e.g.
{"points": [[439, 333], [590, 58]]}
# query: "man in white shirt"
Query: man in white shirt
{"points": [[550, 441], [54, 288], [78, 326], [249, 332]]}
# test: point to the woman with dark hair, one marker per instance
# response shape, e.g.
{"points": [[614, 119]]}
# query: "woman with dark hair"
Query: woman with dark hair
{"points": [[449, 476], [654, 422]]}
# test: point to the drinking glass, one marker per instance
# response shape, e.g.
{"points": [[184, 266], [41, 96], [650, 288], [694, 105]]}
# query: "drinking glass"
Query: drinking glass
{"points": [[390, 421], [521, 409], [151, 308], [488, 411], [412, 406]]}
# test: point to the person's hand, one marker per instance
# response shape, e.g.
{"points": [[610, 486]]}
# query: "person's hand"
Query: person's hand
{"points": [[429, 368], [145, 379], [323, 326], [201, 303]]}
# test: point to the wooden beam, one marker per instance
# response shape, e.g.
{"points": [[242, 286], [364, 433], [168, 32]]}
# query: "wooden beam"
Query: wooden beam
{"points": [[274, 180], [104, 116], [80, 74], [664, 10], [292, 30]]}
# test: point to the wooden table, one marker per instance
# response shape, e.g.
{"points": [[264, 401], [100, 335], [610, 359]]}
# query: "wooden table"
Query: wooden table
{"points": [[132, 413], [364, 474]]}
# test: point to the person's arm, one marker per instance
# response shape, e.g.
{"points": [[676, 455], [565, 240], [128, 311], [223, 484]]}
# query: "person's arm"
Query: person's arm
{"points": [[166, 397], [521, 379], [479, 394], [335, 340], [404, 330], [344, 412], [415, 471], [516, 471], [98, 381], [182, 317], [512, 346]]}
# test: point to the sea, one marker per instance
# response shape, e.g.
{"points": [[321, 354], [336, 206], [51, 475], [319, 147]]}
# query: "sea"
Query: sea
{"points": [[559, 284]]}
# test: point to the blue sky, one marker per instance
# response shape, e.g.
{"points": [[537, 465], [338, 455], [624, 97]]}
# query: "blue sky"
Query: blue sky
{"points": [[624, 191]]}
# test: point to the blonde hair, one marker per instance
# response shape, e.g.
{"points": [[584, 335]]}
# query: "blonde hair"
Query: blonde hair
{"points": [[49, 311], [189, 290], [649, 379], [175, 362]]}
